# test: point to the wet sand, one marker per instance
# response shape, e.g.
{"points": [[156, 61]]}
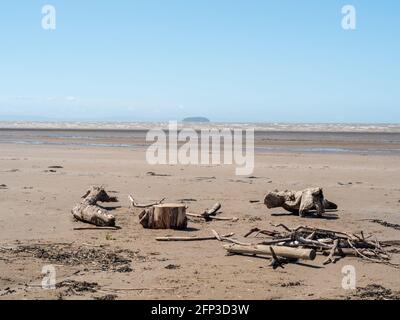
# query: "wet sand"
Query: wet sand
{"points": [[35, 210]]}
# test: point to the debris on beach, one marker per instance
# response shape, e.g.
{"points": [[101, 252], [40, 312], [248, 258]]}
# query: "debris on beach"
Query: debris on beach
{"points": [[160, 215], [302, 243], [385, 224], [3, 186], [96, 228], [299, 202], [215, 236], [107, 297], [205, 178], [279, 254], [333, 244], [153, 174], [88, 211], [164, 216], [134, 204], [7, 291], [376, 292], [90, 257], [211, 214], [77, 287], [345, 184], [172, 266], [291, 284], [187, 200]]}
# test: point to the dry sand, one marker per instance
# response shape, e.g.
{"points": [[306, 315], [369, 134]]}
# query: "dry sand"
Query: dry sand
{"points": [[36, 203]]}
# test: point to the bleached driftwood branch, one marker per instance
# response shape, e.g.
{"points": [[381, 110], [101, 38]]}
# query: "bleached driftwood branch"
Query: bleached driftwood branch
{"points": [[213, 237], [280, 251], [138, 205], [211, 214]]}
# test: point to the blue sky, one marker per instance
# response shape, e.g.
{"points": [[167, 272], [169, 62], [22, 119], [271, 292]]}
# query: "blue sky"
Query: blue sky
{"points": [[229, 60]]}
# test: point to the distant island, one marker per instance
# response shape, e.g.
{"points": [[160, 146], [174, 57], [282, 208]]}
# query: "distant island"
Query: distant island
{"points": [[196, 119]]}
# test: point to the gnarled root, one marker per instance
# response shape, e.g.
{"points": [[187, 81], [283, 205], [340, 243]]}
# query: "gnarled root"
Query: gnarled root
{"points": [[299, 202], [88, 211]]}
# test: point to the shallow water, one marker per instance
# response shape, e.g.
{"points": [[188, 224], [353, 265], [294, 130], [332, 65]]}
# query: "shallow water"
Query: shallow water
{"points": [[364, 139]]}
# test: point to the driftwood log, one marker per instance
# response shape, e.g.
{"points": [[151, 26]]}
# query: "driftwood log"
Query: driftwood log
{"points": [[164, 216], [215, 236], [88, 211], [299, 202], [280, 251]]}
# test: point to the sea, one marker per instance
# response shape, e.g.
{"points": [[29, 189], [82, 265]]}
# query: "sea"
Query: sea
{"points": [[336, 138]]}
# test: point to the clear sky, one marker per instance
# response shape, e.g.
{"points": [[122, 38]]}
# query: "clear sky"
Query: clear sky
{"points": [[229, 60]]}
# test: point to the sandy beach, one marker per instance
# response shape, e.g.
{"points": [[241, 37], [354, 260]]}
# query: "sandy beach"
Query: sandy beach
{"points": [[41, 183]]}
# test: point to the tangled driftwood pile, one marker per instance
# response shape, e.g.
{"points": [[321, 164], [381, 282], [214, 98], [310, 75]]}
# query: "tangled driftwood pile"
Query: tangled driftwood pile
{"points": [[334, 244], [302, 243]]}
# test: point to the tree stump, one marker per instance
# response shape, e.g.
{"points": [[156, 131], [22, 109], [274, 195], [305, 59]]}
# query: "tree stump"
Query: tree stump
{"points": [[88, 211], [164, 216], [299, 202]]}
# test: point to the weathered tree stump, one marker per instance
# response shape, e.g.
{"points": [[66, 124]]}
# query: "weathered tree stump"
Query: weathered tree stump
{"points": [[164, 216], [88, 211], [299, 202]]}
